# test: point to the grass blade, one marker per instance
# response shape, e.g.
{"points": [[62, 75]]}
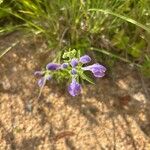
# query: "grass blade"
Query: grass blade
{"points": [[113, 55], [27, 21], [123, 18]]}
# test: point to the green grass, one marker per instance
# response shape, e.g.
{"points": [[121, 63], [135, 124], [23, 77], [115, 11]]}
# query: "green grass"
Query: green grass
{"points": [[116, 29]]}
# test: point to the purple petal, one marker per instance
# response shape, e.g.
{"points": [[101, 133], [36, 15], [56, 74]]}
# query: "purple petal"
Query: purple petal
{"points": [[99, 74], [73, 71], [85, 59], [41, 82], [38, 73], [53, 66], [64, 65], [97, 69], [74, 88], [74, 62]]}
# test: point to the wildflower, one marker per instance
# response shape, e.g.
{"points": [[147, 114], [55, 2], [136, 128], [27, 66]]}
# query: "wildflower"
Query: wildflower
{"points": [[74, 62], [39, 73], [53, 66], [42, 80], [85, 59], [74, 88], [72, 67], [45, 74], [97, 69]]}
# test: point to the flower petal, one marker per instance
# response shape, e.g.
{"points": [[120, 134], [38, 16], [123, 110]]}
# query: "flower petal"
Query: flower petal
{"points": [[64, 65], [38, 73], [41, 82], [53, 66], [99, 74], [85, 59], [97, 69], [74, 88], [74, 62]]}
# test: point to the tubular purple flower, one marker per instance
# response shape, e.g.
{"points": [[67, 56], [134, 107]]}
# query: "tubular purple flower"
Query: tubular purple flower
{"points": [[85, 59], [42, 81], [74, 62], [97, 69], [53, 66], [74, 88], [64, 65], [39, 73]]}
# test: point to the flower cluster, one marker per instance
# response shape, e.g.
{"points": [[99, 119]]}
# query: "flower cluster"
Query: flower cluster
{"points": [[76, 69]]}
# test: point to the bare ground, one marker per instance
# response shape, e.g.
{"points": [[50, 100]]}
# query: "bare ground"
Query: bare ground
{"points": [[112, 115]]}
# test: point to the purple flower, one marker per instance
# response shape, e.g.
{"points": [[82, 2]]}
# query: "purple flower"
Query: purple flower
{"points": [[74, 62], [85, 59], [53, 66], [64, 65], [73, 71], [74, 88], [97, 69], [39, 73], [42, 81]]}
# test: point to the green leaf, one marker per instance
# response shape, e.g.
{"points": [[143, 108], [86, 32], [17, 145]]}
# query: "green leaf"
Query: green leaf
{"points": [[1, 1], [85, 77], [65, 55], [120, 40], [146, 67], [70, 54], [4, 13], [136, 49], [135, 52]]}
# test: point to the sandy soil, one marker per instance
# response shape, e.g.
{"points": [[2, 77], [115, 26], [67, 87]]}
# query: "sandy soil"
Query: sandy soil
{"points": [[112, 115]]}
